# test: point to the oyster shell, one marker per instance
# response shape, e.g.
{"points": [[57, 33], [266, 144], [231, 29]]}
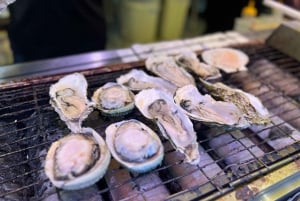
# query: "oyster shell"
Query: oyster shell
{"points": [[190, 61], [77, 160], [227, 59], [166, 68], [113, 99], [207, 110], [251, 106], [69, 99], [137, 80], [134, 145], [172, 121]]}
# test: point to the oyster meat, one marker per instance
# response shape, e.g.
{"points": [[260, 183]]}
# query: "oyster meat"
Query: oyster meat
{"points": [[251, 106], [190, 61], [134, 145], [207, 110], [69, 99], [113, 99], [166, 68], [227, 59], [137, 80], [172, 121], [77, 160]]}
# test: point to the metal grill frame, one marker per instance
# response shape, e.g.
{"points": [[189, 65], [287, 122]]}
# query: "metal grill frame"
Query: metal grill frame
{"points": [[32, 93]]}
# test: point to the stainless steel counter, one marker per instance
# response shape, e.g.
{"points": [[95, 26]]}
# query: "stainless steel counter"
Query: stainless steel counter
{"points": [[101, 58]]}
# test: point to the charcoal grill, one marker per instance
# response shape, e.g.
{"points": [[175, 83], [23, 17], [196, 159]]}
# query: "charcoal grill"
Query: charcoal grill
{"points": [[29, 125]]}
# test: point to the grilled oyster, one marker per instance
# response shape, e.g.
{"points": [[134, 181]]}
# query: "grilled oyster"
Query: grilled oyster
{"points": [[113, 99], [172, 121], [190, 61], [77, 160], [205, 109], [166, 68], [134, 145], [227, 59], [69, 99], [137, 80], [251, 106]]}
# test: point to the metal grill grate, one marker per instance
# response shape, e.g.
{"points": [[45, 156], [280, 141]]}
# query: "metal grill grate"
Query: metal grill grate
{"points": [[28, 125]]}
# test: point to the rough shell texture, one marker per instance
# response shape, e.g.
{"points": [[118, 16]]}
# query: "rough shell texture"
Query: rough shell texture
{"points": [[137, 80], [150, 152], [227, 59], [172, 121], [69, 99], [190, 61], [92, 174], [254, 111], [166, 68], [207, 110], [113, 99]]}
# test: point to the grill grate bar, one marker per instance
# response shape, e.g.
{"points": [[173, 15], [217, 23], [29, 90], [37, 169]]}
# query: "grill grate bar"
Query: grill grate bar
{"points": [[29, 130]]}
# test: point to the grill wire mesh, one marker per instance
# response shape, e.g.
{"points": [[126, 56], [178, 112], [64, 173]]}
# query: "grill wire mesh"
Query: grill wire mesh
{"points": [[28, 126]]}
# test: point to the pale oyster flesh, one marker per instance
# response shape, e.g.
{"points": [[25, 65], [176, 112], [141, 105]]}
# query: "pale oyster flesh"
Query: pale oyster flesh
{"points": [[69, 99], [77, 160], [190, 61], [69, 165], [205, 109], [227, 59], [134, 145], [251, 106], [172, 121], [113, 99], [137, 80], [166, 68]]}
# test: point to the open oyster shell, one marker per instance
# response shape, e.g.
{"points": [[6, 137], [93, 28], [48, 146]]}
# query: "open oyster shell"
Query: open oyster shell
{"points": [[251, 106], [77, 160], [113, 99], [207, 110], [69, 99], [134, 145], [172, 121], [190, 61], [137, 80], [227, 59], [166, 68]]}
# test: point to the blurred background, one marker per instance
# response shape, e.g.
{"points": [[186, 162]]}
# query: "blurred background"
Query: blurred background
{"points": [[125, 22]]}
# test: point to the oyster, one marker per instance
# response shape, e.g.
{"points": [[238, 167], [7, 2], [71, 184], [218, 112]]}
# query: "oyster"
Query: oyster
{"points": [[137, 80], [134, 145], [77, 160], [190, 61], [69, 99], [172, 121], [205, 109], [251, 106], [227, 59], [166, 68], [113, 99]]}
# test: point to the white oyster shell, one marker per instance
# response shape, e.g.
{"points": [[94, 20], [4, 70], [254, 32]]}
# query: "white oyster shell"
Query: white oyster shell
{"points": [[252, 108], [166, 68], [189, 60], [113, 99], [227, 59], [137, 80], [172, 121], [134, 145], [77, 160], [69, 99], [207, 110]]}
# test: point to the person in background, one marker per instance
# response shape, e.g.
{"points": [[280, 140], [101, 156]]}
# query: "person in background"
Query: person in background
{"points": [[42, 29]]}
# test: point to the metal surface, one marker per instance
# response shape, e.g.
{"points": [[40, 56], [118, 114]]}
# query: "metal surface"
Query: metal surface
{"points": [[286, 38], [29, 125]]}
